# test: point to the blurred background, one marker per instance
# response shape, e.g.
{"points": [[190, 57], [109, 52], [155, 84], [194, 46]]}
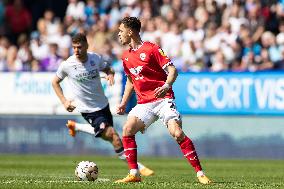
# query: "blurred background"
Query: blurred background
{"points": [[229, 54]]}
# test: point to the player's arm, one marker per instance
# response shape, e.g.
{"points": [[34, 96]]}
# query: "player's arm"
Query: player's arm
{"points": [[109, 75], [59, 92], [126, 96], [161, 92], [172, 74]]}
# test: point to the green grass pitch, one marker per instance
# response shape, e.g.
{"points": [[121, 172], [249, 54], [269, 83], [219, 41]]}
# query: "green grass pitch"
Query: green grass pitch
{"points": [[57, 171]]}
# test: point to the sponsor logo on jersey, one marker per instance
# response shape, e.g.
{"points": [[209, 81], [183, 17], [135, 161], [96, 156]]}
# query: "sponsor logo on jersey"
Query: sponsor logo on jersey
{"points": [[126, 59], [142, 56], [136, 71], [87, 76]]}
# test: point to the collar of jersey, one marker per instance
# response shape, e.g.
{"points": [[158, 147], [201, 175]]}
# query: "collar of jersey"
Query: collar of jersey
{"points": [[137, 47]]}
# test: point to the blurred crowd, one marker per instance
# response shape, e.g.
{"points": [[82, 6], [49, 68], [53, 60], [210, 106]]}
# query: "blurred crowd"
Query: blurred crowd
{"points": [[198, 35]]}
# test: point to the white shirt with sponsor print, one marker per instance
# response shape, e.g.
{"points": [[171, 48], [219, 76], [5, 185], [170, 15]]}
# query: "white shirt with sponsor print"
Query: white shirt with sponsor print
{"points": [[84, 82]]}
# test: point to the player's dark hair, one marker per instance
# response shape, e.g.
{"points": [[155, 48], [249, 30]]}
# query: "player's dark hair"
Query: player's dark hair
{"points": [[79, 38], [132, 23]]}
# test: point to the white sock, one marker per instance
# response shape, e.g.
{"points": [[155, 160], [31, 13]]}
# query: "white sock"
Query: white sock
{"points": [[140, 166], [199, 173], [134, 172], [121, 156], [85, 127]]}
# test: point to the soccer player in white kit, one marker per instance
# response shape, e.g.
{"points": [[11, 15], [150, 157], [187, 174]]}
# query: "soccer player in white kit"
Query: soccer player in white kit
{"points": [[82, 70], [151, 74]]}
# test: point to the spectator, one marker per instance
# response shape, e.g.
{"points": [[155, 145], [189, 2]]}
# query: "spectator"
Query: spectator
{"points": [[132, 9], [23, 52], [29, 63], [38, 43], [248, 63], [202, 17], [52, 61], [150, 33], [192, 33], [211, 43], [249, 46], [104, 6], [51, 23], [75, 10], [18, 20], [235, 16], [107, 53], [147, 12], [14, 63], [4, 46], [269, 42], [165, 8], [280, 9], [63, 41], [218, 62], [264, 63], [255, 21], [199, 35], [90, 10], [114, 15], [101, 35]]}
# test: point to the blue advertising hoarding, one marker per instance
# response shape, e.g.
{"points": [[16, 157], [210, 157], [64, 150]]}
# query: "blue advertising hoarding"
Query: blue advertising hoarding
{"points": [[260, 93]]}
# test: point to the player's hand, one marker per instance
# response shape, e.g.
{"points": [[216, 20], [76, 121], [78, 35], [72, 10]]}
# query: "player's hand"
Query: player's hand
{"points": [[68, 104], [161, 92], [110, 79], [120, 109]]}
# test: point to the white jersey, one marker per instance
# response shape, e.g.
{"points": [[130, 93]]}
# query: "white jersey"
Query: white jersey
{"points": [[85, 82]]}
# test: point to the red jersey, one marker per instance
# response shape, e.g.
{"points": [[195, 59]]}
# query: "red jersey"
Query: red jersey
{"points": [[145, 66]]}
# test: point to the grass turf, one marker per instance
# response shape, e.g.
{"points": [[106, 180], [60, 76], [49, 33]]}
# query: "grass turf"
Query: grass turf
{"points": [[57, 171]]}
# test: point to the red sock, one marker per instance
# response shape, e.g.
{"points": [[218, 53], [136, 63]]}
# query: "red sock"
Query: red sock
{"points": [[189, 152], [130, 150]]}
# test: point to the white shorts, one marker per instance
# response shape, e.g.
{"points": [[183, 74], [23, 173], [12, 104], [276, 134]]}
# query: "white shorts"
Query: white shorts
{"points": [[164, 110]]}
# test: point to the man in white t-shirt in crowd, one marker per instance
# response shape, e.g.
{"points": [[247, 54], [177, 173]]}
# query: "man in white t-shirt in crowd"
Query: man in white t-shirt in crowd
{"points": [[82, 70]]}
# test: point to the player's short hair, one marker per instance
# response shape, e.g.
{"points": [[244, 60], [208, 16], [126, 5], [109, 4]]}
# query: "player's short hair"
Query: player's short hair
{"points": [[132, 23], [79, 38]]}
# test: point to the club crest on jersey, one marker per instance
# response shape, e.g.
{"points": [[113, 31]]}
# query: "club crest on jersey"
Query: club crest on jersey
{"points": [[142, 56]]}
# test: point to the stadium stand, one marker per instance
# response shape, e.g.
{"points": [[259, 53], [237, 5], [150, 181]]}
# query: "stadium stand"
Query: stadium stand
{"points": [[198, 35]]}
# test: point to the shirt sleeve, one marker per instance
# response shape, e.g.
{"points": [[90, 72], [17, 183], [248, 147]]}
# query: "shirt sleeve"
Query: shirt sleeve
{"points": [[161, 58], [61, 72], [126, 70]]}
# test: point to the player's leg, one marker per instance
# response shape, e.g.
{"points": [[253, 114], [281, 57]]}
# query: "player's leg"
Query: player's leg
{"points": [[131, 127], [74, 127], [102, 126], [172, 119], [185, 143], [188, 149], [112, 136], [139, 118]]}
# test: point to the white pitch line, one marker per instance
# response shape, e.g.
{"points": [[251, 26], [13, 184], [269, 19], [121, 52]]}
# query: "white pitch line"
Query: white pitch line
{"points": [[53, 181]]}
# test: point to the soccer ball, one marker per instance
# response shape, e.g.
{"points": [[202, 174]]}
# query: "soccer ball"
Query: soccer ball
{"points": [[86, 171]]}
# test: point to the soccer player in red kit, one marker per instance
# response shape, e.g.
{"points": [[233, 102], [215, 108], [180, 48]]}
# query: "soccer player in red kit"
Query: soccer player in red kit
{"points": [[151, 74]]}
